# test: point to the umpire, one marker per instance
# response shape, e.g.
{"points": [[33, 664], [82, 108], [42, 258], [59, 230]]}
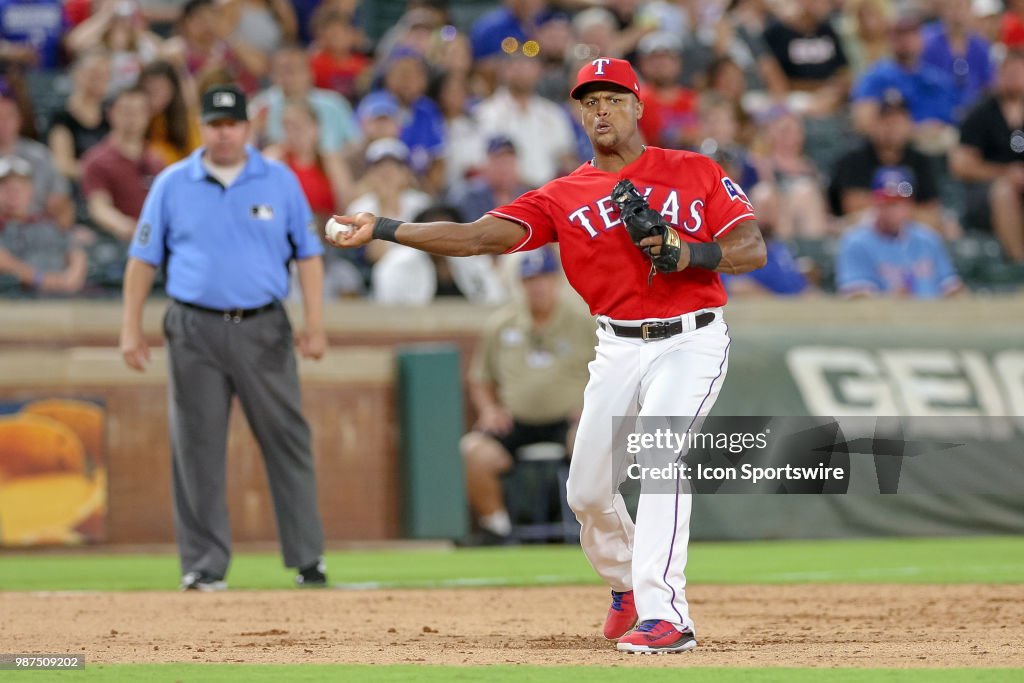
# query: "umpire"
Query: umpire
{"points": [[225, 224]]}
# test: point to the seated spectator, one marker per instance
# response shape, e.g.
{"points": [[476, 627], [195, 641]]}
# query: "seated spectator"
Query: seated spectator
{"points": [[952, 46], [203, 45], [887, 144], [928, 92], [596, 29], [526, 381], [464, 157], [401, 274], [174, 127], [719, 139], [117, 26], [737, 34], [890, 254], [82, 123], [335, 63], [31, 32], [379, 117], [785, 170], [51, 189], [476, 278], [497, 184], [293, 80], [324, 177], [539, 128], [726, 82], [991, 155], [864, 28], [117, 172], [670, 110], [414, 32], [554, 40], [810, 55], [263, 25], [406, 77], [33, 248]]}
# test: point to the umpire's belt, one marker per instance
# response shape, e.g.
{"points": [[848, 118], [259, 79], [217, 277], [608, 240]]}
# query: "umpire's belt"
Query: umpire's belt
{"points": [[659, 329], [235, 315]]}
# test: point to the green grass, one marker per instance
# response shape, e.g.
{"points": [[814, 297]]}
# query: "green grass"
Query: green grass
{"points": [[391, 673], [958, 560]]}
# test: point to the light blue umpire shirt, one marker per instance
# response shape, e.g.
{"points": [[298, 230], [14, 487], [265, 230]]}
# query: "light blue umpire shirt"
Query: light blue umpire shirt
{"points": [[226, 248]]}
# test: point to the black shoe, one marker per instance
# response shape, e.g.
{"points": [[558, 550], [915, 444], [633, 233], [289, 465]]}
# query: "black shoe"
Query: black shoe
{"points": [[201, 581], [313, 576], [484, 537]]}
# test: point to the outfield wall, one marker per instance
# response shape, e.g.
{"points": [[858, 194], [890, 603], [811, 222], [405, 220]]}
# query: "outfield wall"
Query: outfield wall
{"points": [[788, 357]]}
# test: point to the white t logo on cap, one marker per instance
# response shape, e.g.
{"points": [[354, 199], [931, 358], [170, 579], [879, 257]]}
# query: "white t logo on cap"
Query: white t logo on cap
{"points": [[224, 99], [600, 64]]}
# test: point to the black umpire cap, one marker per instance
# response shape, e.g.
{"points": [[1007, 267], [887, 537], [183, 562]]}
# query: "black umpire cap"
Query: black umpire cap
{"points": [[224, 102]]}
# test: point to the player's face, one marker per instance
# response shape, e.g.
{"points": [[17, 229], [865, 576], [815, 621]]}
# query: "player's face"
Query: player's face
{"points": [[610, 116], [225, 141]]}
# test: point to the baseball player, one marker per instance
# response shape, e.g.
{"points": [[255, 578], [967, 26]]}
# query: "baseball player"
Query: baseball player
{"points": [[644, 233]]}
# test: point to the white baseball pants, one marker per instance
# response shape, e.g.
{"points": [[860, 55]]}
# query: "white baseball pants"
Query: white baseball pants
{"points": [[678, 376]]}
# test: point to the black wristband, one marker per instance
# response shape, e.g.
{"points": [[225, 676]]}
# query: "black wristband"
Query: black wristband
{"points": [[385, 228], [706, 255]]}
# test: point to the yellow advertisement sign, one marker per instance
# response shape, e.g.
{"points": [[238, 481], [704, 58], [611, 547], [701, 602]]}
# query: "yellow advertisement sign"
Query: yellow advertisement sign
{"points": [[53, 474]]}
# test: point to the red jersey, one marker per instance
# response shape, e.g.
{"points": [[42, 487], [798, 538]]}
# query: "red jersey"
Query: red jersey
{"points": [[339, 75], [665, 121], [315, 185], [690, 191]]}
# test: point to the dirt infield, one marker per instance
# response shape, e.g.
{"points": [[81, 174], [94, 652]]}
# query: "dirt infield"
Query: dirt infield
{"points": [[807, 625]]}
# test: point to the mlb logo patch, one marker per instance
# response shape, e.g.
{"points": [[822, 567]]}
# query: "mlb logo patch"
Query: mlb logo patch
{"points": [[224, 100], [262, 212]]}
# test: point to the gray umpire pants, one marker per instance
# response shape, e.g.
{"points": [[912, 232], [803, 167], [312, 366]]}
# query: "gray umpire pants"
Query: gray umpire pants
{"points": [[210, 359]]}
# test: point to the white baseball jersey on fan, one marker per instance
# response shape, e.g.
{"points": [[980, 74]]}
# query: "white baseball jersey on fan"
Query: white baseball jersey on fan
{"points": [[676, 376]]}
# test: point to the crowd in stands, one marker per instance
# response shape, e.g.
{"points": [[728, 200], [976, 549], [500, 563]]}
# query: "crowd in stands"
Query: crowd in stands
{"points": [[881, 143]]}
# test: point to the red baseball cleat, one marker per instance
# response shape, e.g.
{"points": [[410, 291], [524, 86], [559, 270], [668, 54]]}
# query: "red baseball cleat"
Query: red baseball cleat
{"points": [[621, 615], [657, 635]]}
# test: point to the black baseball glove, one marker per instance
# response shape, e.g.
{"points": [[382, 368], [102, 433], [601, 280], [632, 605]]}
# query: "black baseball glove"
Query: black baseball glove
{"points": [[642, 221]]}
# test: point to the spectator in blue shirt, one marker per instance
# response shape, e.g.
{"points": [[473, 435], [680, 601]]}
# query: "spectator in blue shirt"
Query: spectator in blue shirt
{"points": [[929, 92], [293, 80], [891, 255], [782, 275], [406, 77], [32, 31], [953, 47]]}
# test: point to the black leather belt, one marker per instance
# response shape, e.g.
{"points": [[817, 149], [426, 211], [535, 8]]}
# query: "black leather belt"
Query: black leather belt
{"points": [[236, 315], [658, 329]]}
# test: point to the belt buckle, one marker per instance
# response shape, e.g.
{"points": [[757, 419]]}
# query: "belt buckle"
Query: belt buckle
{"points": [[653, 331], [234, 316]]}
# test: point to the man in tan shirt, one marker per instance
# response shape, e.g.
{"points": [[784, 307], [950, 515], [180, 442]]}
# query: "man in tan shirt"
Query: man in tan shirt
{"points": [[526, 383]]}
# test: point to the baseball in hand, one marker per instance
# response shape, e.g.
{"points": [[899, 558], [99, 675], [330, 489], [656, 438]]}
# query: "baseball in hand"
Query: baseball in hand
{"points": [[336, 230]]}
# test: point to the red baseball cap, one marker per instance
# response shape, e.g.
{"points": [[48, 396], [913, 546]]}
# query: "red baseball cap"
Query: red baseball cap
{"points": [[606, 70]]}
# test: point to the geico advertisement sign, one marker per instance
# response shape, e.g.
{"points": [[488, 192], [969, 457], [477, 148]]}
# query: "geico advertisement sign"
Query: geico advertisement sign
{"points": [[838, 381]]}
